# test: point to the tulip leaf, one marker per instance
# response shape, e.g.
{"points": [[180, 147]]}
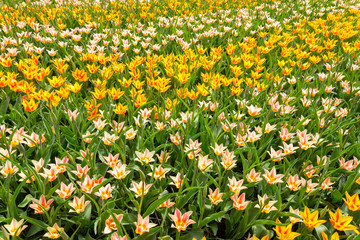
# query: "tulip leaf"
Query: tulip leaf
{"points": [[157, 203], [211, 218]]}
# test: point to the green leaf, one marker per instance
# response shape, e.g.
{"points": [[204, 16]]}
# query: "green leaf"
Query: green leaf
{"points": [[167, 237], [260, 231], [357, 237], [33, 230], [196, 233], [74, 234], [185, 199], [26, 201], [214, 227], [13, 199], [87, 212], [4, 106], [350, 181], [155, 204], [337, 197], [266, 222], [211, 218], [162, 146], [36, 222]]}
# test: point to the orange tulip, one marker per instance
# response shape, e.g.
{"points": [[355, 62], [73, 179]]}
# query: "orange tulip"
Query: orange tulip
{"points": [[30, 105], [311, 219]]}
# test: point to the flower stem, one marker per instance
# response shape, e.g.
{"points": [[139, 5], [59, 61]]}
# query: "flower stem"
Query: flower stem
{"points": [[177, 235]]}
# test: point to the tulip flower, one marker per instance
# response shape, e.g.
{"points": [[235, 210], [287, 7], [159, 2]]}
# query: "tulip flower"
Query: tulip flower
{"points": [[341, 223], [15, 227], [78, 204], [54, 232], [143, 225], [110, 224], [42, 202], [140, 188], [352, 202], [310, 219], [284, 232], [215, 196], [181, 221]]}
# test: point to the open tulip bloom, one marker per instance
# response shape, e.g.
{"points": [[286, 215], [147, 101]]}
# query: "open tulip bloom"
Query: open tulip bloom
{"points": [[179, 119]]}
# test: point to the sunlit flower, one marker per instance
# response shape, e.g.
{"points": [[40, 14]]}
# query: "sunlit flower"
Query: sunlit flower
{"points": [[39, 205], [271, 177], [104, 192], [109, 139], [239, 202], [265, 205], [254, 110], [51, 174], [215, 196], [175, 139], [30, 105], [326, 184], [293, 183], [99, 124], [115, 236], [167, 204], [292, 219], [65, 191], [61, 164], [110, 224], [310, 186], [163, 157], [140, 188], [227, 160], [275, 155], [236, 186], [204, 163], [8, 169], [119, 171], [352, 202], [311, 219], [15, 227], [78, 204], [219, 149], [87, 137], [289, 148], [269, 128], [341, 223], [192, 148], [252, 136], [181, 221], [256, 238], [130, 134], [143, 225], [72, 114], [54, 232], [158, 172], [253, 176], [177, 180], [145, 157], [87, 185], [112, 161], [81, 171], [285, 232]]}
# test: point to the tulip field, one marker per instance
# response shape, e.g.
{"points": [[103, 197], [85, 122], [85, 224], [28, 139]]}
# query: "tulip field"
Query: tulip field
{"points": [[180, 119]]}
